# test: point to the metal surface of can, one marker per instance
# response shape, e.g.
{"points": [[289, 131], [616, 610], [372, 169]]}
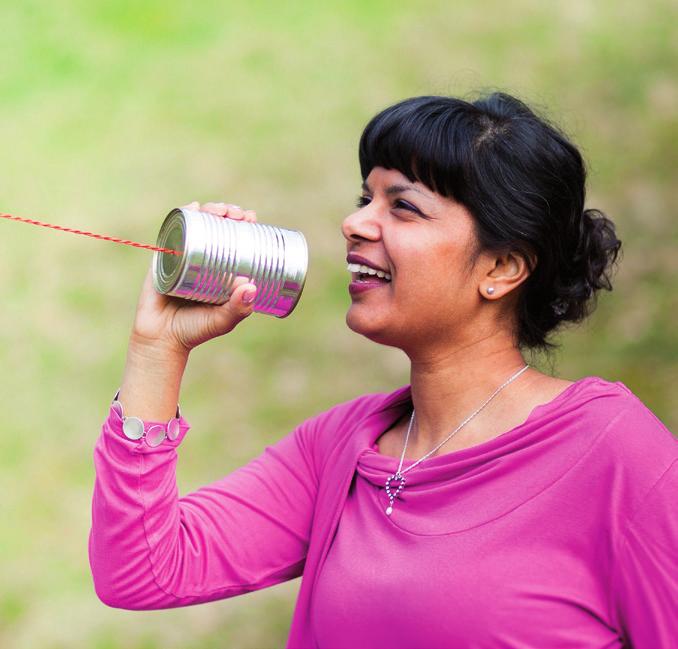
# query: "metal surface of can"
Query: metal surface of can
{"points": [[216, 250]]}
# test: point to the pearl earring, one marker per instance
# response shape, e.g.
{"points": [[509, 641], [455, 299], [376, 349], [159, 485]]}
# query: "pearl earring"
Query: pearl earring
{"points": [[490, 290]]}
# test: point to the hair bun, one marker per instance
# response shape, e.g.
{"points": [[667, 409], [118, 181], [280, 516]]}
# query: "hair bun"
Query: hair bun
{"points": [[591, 267], [600, 248]]}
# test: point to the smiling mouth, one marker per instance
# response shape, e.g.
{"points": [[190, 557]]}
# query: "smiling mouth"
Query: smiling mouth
{"points": [[366, 273]]}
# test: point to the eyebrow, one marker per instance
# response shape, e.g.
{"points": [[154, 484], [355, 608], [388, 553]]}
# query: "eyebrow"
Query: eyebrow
{"points": [[396, 189]]}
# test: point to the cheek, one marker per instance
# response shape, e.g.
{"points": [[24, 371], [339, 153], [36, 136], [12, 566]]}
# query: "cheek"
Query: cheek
{"points": [[430, 268]]}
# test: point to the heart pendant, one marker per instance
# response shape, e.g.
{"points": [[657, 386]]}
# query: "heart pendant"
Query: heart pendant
{"points": [[400, 478]]}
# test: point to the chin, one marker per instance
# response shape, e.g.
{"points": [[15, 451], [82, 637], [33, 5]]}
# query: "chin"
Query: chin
{"points": [[367, 325]]}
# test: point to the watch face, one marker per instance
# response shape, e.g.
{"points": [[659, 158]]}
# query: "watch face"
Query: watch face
{"points": [[173, 429], [117, 406], [155, 435], [133, 427]]}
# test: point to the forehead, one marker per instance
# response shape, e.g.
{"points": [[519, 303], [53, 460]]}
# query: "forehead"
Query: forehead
{"points": [[381, 177]]}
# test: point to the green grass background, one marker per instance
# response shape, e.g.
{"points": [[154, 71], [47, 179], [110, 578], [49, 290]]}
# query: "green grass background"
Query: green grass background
{"points": [[112, 112]]}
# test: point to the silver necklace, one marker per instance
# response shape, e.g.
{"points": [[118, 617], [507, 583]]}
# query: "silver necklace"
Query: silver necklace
{"points": [[399, 475]]}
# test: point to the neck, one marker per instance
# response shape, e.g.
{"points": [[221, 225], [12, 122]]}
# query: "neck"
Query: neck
{"points": [[449, 385]]}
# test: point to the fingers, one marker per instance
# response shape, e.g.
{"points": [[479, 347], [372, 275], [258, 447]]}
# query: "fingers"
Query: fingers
{"points": [[227, 210]]}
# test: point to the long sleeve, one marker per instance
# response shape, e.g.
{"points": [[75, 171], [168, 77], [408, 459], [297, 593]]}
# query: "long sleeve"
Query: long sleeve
{"points": [[645, 582], [151, 549]]}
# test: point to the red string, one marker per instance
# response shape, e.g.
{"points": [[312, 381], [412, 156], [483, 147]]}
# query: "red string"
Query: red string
{"points": [[126, 242]]}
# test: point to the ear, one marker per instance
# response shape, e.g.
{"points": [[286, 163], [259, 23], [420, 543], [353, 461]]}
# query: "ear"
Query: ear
{"points": [[507, 271]]}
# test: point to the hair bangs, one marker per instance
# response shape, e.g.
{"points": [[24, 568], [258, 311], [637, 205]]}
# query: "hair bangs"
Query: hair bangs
{"points": [[422, 139]]}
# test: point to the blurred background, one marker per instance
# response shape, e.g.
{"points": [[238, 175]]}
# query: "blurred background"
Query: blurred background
{"points": [[112, 112]]}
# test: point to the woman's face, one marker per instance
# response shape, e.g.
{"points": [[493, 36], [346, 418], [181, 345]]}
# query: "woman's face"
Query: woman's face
{"points": [[424, 241]]}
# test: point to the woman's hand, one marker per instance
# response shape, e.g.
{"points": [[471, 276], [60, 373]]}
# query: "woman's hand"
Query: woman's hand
{"points": [[178, 325]]}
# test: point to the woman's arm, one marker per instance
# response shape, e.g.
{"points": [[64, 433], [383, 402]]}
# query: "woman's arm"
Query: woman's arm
{"points": [[151, 549]]}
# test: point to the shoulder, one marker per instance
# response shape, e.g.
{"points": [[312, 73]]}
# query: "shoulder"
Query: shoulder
{"points": [[614, 405], [631, 424], [634, 448], [329, 427], [354, 409]]}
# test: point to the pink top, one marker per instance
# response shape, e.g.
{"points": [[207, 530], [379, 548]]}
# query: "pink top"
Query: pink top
{"points": [[561, 532]]}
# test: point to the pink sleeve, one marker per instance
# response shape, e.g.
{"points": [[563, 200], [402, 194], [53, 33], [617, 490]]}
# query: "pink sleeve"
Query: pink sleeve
{"points": [[151, 549], [645, 581]]}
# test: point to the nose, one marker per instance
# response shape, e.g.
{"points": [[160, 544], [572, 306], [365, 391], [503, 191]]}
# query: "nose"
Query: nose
{"points": [[361, 225]]}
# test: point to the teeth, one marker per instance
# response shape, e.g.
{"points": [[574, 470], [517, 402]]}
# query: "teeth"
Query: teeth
{"points": [[366, 270]]}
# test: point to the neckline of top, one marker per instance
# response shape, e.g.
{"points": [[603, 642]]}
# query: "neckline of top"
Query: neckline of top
{"points": [[398, 398]]}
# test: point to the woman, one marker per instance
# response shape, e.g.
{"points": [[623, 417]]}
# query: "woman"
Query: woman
{"points": [[486, 504]]}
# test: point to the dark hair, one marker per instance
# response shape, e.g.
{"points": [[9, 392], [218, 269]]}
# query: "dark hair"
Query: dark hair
{"points": [[524, 184]]}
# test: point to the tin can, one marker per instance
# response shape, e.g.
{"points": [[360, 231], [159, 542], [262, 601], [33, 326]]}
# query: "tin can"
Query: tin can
{"points": [[216, 250]]}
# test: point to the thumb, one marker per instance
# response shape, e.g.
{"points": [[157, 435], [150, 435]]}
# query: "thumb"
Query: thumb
{"points": [[244, 296], [241, 301]]}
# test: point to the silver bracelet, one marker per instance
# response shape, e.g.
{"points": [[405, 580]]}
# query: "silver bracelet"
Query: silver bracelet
{"points": [[134, 428]]}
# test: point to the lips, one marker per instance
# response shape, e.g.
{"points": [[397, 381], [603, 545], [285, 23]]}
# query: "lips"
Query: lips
{"points": [[366, 275], [360, 285], [352, 258]]}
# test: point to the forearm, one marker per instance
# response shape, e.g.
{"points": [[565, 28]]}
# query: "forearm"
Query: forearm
{"points": [[146, 550], [134, 487], [249, 530], [152, 380]]}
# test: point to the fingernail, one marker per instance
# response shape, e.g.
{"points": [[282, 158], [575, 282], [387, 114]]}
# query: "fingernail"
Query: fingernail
{"points": [[249, 295]]}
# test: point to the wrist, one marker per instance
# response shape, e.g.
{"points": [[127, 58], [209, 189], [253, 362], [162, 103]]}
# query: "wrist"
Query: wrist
{"points": [[153, 433], [156, 351], [152, 380]]}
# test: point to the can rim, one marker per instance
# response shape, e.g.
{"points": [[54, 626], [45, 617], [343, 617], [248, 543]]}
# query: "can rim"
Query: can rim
{"points": [[293, 306], [166, 282]]}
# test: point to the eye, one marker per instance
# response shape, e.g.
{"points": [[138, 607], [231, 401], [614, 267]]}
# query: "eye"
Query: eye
{"points": [[362, 201], [404, 205]]}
